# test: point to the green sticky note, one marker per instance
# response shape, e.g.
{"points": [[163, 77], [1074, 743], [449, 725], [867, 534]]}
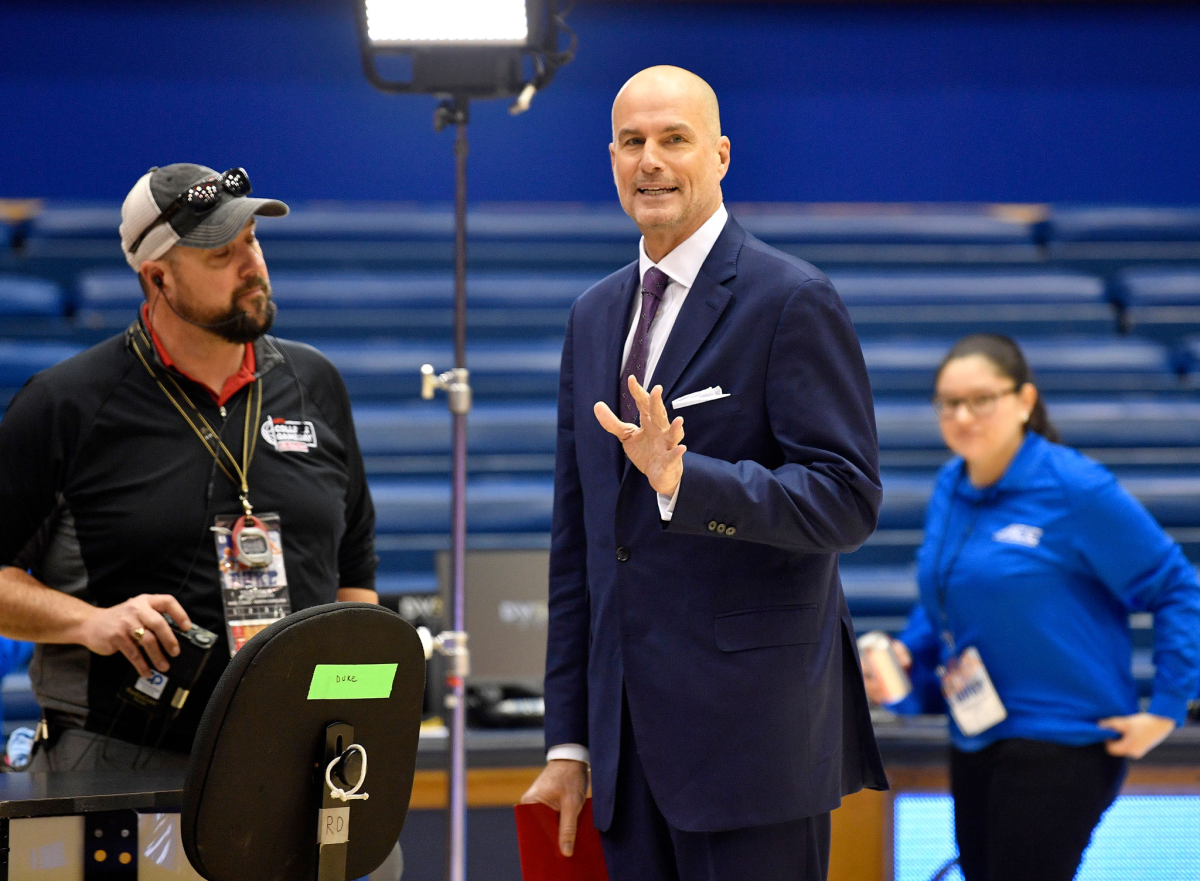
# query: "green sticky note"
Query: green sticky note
{"points": [[342, 682]]}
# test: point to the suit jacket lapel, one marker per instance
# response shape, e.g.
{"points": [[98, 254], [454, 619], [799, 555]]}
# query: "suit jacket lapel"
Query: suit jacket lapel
{"points": [[704, 305], [616, 328]]}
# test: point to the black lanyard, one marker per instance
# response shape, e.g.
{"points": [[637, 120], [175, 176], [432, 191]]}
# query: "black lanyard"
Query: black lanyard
{"points": [[209, 436], [941, 575]]}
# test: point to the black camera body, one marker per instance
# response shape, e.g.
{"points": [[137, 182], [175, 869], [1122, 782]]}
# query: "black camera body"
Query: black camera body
{"points": [[163, 695]]}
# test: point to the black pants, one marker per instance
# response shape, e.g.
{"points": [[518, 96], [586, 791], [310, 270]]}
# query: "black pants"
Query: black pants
{"points": [[642, 846], [1024, 810]]}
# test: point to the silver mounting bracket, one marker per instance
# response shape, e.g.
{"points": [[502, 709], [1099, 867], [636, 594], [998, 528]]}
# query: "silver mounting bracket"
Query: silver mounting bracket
{"points": [[452, 645], [454, 382]]}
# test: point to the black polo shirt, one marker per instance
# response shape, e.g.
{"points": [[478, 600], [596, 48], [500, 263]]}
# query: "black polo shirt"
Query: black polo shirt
{"points": [[107, 493]]}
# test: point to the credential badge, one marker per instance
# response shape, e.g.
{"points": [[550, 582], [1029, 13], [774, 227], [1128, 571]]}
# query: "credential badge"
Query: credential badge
{"points": [[289, 435]]}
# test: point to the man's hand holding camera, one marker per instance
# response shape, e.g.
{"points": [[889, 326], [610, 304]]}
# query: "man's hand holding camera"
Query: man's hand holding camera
{"points": [[133, 627]]}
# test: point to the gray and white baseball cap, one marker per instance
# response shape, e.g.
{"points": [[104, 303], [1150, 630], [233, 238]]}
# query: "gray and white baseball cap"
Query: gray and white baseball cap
{"points": [[158, 188]]}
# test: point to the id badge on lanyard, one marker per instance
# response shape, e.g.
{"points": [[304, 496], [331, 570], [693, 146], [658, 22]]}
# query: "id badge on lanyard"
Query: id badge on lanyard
{"points": [[966, 685], [254, 588], [969, 692]]}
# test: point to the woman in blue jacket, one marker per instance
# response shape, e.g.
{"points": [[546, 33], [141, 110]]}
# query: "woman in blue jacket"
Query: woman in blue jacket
{"points": [[1032, 561]]}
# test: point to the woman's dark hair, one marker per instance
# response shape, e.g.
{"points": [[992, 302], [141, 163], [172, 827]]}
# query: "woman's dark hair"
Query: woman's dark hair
{"points": [[1008, 359]]}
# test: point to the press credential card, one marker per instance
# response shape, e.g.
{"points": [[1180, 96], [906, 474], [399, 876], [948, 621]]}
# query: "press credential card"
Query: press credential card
{"points": [[972, 698], [254, 599]]}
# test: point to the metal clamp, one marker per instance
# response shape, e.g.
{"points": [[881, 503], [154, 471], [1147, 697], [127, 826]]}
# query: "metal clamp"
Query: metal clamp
{"points": [[450, 644], [454, 382]]}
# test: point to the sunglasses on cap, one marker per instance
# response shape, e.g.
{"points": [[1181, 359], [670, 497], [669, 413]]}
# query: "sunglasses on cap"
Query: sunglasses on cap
{"points": [[195, 203]]}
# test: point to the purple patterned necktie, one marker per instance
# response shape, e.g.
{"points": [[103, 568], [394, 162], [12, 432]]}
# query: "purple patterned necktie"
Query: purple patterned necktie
{"points": [[654, 284]]}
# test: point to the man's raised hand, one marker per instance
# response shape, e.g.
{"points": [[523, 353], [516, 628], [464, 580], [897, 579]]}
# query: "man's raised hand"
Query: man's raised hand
{"points": [[653, 447]]}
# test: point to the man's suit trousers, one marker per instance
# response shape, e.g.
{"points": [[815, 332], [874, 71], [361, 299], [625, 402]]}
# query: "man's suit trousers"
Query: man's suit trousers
{"points": [[641, 846]]}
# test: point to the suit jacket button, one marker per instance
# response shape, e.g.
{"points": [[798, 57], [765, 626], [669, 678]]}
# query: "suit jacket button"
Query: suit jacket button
{"points": [[622, 554], [712, 525], [721, 528], [731, 530]]}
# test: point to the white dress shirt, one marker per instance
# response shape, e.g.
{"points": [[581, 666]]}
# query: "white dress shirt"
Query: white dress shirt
{"points": [[681, 266]]}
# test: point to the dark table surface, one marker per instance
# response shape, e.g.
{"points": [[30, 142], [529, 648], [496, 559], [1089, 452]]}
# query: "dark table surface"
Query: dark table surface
{"points": [[80, 792]]}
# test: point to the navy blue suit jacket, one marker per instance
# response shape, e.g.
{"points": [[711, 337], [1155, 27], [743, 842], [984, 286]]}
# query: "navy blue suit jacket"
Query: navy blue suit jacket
{"points": [[727, 626]]}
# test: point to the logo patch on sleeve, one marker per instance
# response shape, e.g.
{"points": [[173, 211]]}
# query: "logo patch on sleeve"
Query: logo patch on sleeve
{"points": [[1019, 534], [289, 435]]}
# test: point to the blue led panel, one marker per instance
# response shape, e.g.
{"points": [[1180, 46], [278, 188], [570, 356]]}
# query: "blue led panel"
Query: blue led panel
{"points": [[1142, 837]]}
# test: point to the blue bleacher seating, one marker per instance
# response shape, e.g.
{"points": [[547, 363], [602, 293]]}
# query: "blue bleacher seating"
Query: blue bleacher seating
{"points": [[77, 220], [537, 235], [1163, 302], [891, 224], [378, 369], [601, 234], [1150, 433], [1081, 365], [494, 505], [107, 297], [1173, 499], [21, 360], [16, 696], [1122, 223], [22, 297], [356, 303], [520, 436], [879, 590], [415, 438], [407, 222], [390, 584], [996, 301], [1189, 357], [64, 238], [1109, 236]]}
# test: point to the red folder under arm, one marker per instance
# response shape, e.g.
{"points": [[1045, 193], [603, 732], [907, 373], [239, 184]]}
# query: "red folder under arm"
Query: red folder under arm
{"points": [[537, 837]]}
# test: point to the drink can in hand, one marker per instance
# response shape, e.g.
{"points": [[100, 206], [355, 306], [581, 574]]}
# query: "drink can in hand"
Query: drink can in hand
{"points": [[880, 663]]}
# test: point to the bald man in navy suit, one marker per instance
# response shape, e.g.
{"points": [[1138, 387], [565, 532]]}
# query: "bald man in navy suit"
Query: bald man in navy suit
{"points": [[701, 659]]}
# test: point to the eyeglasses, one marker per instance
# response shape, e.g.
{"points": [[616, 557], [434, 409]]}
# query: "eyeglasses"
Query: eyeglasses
{"points": [[983, 404], [197, 201]]}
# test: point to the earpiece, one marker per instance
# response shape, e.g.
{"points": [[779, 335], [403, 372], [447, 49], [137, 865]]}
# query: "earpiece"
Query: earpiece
{"points": [[158, 281]]}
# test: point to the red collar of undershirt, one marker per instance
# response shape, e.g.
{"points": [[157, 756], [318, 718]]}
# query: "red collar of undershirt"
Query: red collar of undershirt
{"points": [[233, 385]]}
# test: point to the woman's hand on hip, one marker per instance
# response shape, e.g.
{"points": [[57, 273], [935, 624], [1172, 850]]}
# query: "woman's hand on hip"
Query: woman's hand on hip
{"points": [[1140, 733]]}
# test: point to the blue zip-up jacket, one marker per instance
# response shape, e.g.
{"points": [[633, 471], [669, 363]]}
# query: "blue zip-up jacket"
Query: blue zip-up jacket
{"points": [[1039, 572]]}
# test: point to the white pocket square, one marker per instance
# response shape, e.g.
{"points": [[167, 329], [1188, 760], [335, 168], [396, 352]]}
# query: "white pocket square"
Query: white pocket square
{"points": [[708, 394]]}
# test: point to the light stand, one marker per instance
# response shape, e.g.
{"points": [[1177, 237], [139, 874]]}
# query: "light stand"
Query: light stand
{"points": [[458, 66]]}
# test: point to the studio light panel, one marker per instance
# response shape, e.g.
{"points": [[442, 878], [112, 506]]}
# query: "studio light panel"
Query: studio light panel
{"points": [[439, 22]]}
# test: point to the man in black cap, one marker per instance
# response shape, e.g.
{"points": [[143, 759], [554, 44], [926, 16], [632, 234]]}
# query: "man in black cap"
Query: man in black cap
{"points": [[191, 466]]}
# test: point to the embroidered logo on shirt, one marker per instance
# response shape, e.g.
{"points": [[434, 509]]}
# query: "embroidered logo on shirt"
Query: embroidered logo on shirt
{"points": [[1019, 534], [289, 435]]}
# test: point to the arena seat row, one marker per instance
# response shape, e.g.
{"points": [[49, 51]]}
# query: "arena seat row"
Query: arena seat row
{"points": [[1106, 233], [507, 436], [382, 369], [1158, 302], [839, 223], [1098, 365], [523, 503], [571, 234]]}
